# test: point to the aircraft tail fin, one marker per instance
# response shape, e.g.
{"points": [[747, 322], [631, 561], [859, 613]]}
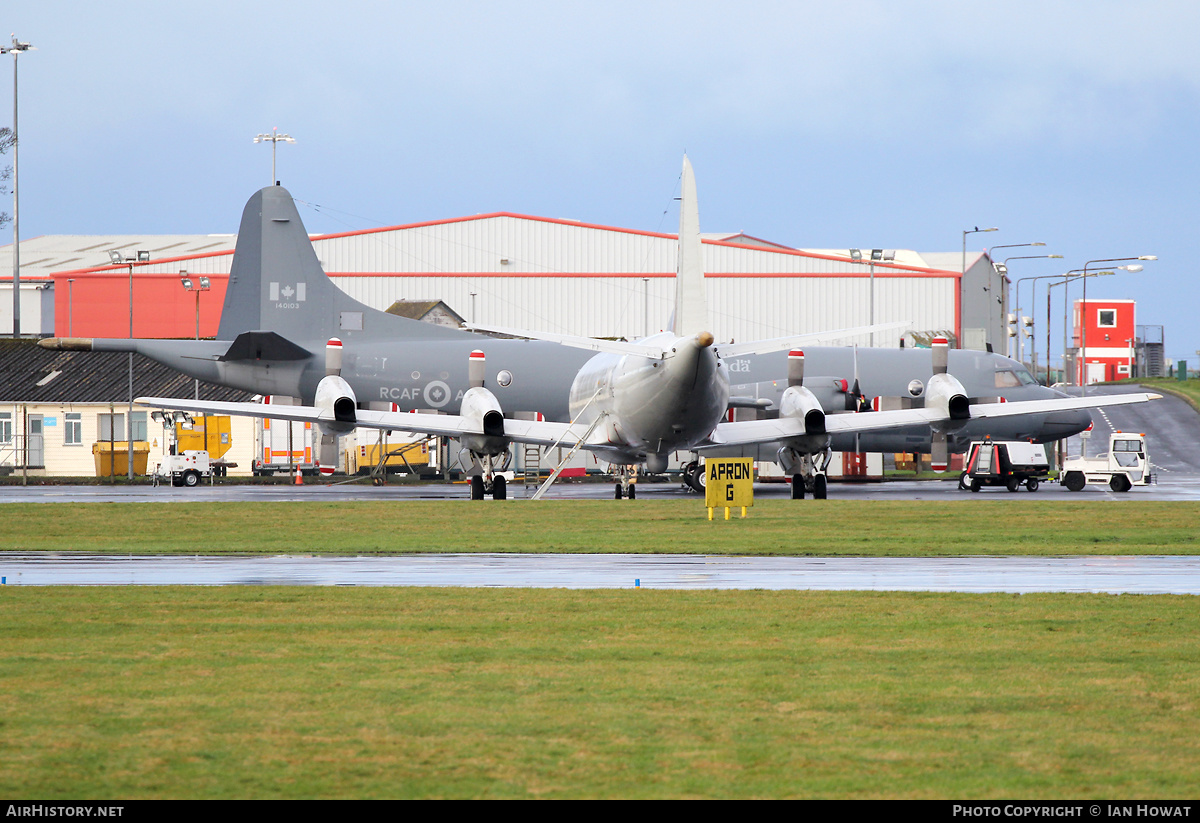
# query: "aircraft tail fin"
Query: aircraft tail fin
{"points": [[276, 284], [691, 301]]}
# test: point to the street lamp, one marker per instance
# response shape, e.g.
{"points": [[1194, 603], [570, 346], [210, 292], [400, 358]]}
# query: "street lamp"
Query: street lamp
{"points": [[1083, 342], [193, 286], [964, 249], [15, 49], [1033, 310], [975, 230], [1073, 274], [274, 138]]}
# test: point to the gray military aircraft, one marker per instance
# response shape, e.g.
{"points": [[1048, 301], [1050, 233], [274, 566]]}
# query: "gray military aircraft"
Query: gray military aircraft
{"points": [[632, 404]]}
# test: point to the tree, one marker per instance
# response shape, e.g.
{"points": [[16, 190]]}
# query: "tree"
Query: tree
{"points": [[6, 142]]}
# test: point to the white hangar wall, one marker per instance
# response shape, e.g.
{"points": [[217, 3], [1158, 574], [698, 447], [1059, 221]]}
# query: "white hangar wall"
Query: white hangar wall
{"points": [[558, 275]]}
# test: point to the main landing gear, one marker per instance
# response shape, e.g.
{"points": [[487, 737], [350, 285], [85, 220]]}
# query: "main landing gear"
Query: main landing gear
{"points": [[811, 477], [486, 478], [694, 476], [817, 484]]}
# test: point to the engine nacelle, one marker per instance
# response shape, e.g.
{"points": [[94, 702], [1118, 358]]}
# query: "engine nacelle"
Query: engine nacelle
{"points": [[800, 403], [948, 396], [481, 410], [336, 399]]}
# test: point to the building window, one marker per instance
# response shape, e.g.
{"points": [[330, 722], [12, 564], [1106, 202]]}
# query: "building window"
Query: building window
{"points": [[73, 430], [139, 426], [5, 427], [112, 427], [1106, 318]]}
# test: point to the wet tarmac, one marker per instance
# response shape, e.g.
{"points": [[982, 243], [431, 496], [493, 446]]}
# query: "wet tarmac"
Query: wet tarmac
{"points": [[1126, 575]]}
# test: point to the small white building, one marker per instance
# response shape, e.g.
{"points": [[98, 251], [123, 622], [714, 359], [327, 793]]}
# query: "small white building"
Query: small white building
{"points": [[56, 406]]}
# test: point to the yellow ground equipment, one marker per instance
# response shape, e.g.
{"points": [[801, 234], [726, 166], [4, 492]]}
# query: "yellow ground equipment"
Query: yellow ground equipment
{"points": [[207, 433]]}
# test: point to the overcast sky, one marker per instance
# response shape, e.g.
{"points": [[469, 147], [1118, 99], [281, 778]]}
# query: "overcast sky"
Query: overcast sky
{"points": [[822, 125]]}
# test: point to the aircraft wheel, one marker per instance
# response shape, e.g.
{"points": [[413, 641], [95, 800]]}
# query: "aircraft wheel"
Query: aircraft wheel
{"points": [[962, 482], [1075, 481], [976, 485], [191, 478], [499, 488], [820, 487], [1031, 484], [632, 492], [618, 494], [797, 487], [1120, 483], [477, 487], [1014, 483]]}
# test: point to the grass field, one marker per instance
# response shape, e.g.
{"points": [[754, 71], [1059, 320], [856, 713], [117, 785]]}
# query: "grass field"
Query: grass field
{"points": [[1187, 389], [314, 692], [774, 527], [333, 692]]}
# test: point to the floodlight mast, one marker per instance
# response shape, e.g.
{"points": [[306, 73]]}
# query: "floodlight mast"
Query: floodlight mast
{"points": [[15, 49], [274, 138]]}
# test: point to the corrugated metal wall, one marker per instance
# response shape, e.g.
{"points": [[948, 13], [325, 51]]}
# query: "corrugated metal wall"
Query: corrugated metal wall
{"points": [[509, 270], [563, 276]]}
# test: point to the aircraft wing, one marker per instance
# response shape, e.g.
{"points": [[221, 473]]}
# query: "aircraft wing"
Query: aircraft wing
{"points": [[536, 432], [752, 432], [773, 344], [642, 348]]}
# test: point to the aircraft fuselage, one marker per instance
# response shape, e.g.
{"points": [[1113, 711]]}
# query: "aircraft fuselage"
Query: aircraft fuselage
{"points": [[653, 406]]}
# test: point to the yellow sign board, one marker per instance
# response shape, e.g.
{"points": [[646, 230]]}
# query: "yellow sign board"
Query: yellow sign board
{"points": [[728, 483]]}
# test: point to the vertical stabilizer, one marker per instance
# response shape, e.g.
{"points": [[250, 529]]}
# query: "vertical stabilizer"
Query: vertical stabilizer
{"points": [[691, 302], [276, 284]]}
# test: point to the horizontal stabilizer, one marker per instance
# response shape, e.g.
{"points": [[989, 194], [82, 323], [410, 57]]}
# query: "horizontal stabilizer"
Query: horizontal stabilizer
{"points": [[264, 345], [637, 349]]}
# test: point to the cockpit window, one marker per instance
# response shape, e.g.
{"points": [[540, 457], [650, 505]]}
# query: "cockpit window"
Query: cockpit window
{"points": [[1012, 378]]}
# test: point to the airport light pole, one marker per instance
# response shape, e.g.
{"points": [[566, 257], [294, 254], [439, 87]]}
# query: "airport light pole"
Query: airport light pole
{"points": [[1002, 270], [1067, 277], [1134, 267], [1003, 267], [1033, 311], [877, 256], [274, 138], [15, 49], [975, 230], [203, 284], [119, 259]]}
